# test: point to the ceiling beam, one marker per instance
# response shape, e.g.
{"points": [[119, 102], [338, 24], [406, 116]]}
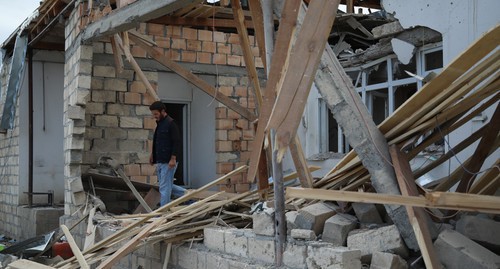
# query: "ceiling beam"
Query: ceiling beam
{"points": [[130, 16], [200, 22]]}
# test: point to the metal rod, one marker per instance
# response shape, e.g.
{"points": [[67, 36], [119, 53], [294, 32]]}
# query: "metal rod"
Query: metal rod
{"points": [[30, 126]]}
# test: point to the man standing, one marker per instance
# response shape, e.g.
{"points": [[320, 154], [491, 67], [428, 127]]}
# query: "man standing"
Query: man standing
{"points": [[166, 146]]}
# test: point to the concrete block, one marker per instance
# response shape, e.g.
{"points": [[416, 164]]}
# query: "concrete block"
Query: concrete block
{"points": [[213, 238], [303, 234], [261, 248], [384, 239], [367, 213], [263, 223], [485, 231], [459, 252], [236, 242], [295, 255], [187, 258], [383, 260], [323, 256], [290, 221], [214, 260], [313, 217], [338, 227]]}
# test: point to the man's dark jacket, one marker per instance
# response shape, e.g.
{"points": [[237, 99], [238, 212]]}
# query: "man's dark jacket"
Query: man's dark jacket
{"points": [[166, 140]]}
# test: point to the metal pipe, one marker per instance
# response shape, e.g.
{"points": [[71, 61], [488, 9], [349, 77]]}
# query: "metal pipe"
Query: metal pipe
{"points": [[30, 126]]}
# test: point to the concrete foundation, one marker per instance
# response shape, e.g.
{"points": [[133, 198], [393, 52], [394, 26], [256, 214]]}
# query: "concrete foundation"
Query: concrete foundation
{"points": [[38, 220]]}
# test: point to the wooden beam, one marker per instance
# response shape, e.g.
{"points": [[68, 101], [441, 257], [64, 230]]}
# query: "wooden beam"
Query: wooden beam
{"points": [[200, 22], [298, 79], [117, 55], [490, 177], [74, 248], [239, 18], [443, 200], [418, 218], [278, 65], [90, 236], [481, 153], [258, 20], [130, 16], [158, 55], [137, 195], [300, 162]]}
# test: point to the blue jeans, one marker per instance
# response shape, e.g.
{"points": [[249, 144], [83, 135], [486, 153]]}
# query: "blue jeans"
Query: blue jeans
{"points": [[167, 186]]}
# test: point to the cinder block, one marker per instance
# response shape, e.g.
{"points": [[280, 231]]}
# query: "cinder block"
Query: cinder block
{"points": [[216, 261], [236, 242], [187, 258], [459, 252], [367, 213], [263, 223], [290, 221], [213, 238], [324, 256], [383, 260], [303, 234], [485, 231], [384, 239], [295, 255], [313, 217], [337, 228], [261, 248]]}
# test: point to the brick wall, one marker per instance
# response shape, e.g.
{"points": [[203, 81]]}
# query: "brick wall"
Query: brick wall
{"points": [[118, 121], [9, 170]]}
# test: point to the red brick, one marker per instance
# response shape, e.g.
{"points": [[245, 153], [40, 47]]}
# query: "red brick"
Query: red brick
{"points": [[162, 42], [235, 179], [223, 124], [193, 45], [242, 187], [153, 180], [132, 169], [234, 135], [251, 40], [147, 169], [178, 43], [220, 135], [188, 56], [223, 48], [138, 52], [219, 37], [245, 156], [223, 146], [205, 35], [234, 60], [142, 179], [244, 145], [221, 113], [137, 86], [141, 28], [174, 55], [236, 145], [149, 123], [241, 91], [227, 188], [236, 50], [255, 51], [242, 124], [207, 46], [204, 58], [233, 39], [226, 90], [156, 29], [258, 62], [133, 98], [189, 33], [231, 114], [251, 102], [147, 99], [174, 31], [248, 134], [224, 168], [220, 59]]}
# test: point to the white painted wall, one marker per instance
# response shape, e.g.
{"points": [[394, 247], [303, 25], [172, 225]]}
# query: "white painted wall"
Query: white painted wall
{"points": [[201, 159], [48, 157]]}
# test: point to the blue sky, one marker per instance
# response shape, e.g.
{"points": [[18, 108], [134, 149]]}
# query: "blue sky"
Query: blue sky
{"points": [[13, 14]]}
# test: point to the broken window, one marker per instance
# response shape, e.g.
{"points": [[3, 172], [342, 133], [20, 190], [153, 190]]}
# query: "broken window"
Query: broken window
{"points": [[384, 85]]}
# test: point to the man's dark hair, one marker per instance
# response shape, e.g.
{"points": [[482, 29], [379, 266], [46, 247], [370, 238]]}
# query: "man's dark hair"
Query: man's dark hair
{"points": [[158, 105]]}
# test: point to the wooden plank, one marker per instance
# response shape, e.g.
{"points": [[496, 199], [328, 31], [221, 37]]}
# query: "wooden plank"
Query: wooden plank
{"points": [[298, 79], [418, 217], [278, 65], [23, 264], [158, 55], [167, 255], [481, 153], [443, 200], [90, 236], [74, 247], [152, 198], [300, 162], [239, 18], [489, 177], [117, 55], [137, 195], [130, 16], [126, 50], [258, 20]]}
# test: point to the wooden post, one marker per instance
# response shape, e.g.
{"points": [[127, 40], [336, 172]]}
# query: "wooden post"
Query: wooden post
{"points": [[279, 205]]}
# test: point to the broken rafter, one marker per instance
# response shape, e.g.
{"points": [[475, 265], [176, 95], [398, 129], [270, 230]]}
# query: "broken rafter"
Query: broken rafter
{"points": [[159, 56], [258, 20]]}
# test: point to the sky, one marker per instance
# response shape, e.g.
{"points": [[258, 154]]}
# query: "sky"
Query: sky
{"points": [[13, 13]]}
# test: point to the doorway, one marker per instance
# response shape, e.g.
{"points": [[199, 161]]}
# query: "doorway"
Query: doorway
{"points": [[178, 112]]}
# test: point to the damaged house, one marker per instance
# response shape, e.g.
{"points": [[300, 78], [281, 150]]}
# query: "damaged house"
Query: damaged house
{"points": [[264, 93]]}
